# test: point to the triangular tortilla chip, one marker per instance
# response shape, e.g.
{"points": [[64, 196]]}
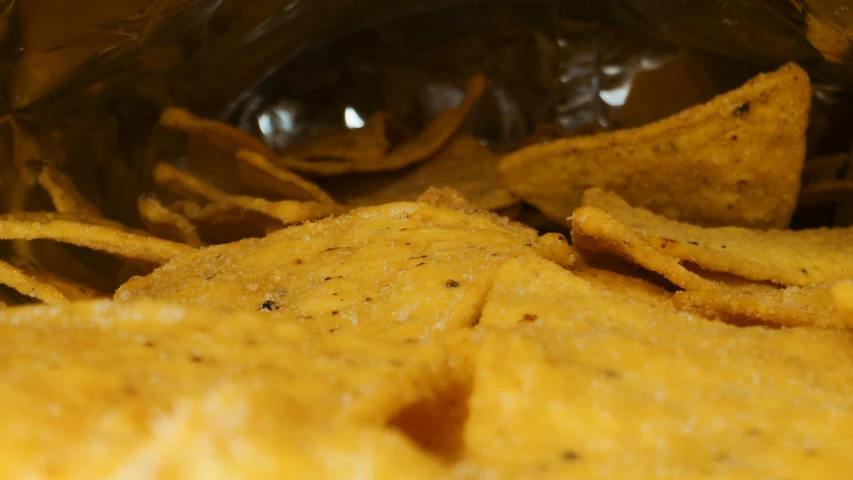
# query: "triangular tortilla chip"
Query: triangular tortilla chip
{"points": [[89, 232], [259, 174], [464, 165], [784, 257], [166, 223], [733, 161], [64, 194], [408, 269], [98, 390], [583, 384]]}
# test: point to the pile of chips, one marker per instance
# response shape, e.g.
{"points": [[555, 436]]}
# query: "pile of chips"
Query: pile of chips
{"points": [[368, 303]]}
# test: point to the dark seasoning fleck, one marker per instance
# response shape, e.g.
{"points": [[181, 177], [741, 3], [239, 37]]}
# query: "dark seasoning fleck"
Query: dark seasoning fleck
{"points": [[269, 306], [451, 284], [741, 110]]}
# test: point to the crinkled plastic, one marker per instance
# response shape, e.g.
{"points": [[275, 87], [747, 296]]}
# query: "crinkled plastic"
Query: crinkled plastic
{"points": [[84, 80]]}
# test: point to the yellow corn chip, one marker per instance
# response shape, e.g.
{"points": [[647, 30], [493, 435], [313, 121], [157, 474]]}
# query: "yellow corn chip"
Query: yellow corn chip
{"points": [[598, 387], [464, 165], [811, 305], [166, 223], [825, 168], [65, 196], [49, 256], [733, 161], [842, 293], [223, 136], [407, 268], [629, 288], [219, 223], [43, 286], [257, 173], [420, 147], [89, 232], [286, 211], [95, 389], [552, 246], [366, 144], [784, 257], [186, 185]]}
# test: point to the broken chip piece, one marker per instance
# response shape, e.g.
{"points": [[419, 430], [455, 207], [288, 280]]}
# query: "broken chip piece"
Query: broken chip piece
{"points": [[733, 161]]}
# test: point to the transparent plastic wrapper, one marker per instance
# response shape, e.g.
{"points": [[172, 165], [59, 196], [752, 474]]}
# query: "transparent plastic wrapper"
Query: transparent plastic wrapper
{"points": [[86, 81]]}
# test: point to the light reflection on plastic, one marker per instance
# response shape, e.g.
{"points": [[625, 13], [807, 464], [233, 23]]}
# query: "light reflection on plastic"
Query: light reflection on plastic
{"points": [[277, 120], [352, 119], [616, 97]]}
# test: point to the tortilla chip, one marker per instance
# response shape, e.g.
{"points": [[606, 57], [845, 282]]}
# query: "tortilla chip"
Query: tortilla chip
{"points": [[96, 389], [219, 223], [186, 185], [598, 387], [65, 196], [830, 191], [628, 287], [287, 212], [784, 257], [43, 286], [464, 165], [733, 161], [419, 148], [842, 293], [825, 168], [257, 173], [221, 135], [89, 232], [366, 144], [166, 223], [552, 246], [810, 306], [49, 256], [407, 269]]}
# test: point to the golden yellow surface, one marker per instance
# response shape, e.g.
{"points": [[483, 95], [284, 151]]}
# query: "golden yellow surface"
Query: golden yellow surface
{"points": [[93, 390], [599, 387], [811, 305], [785, 257], [410, 268], [735, 160], [91, 232]]}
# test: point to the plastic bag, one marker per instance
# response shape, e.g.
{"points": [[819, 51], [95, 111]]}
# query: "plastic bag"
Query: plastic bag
{"points": [[85, 80]]}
